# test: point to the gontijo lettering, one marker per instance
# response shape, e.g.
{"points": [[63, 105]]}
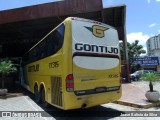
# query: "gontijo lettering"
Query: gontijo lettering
{"points": [[33, 68], [95, 48]]}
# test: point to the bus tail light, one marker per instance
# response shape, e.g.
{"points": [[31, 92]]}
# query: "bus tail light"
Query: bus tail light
{"points": [[70, 83]]}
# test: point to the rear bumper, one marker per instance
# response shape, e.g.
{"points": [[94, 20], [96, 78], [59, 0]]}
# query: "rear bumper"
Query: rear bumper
{"points": [[97, 90], [75, 102]]}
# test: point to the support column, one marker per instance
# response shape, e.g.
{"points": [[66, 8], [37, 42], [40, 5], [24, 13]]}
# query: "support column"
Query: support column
{"points": [[125, 52]]}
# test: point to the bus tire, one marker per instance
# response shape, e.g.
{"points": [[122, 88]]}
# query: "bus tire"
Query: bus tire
{"points": [[44, 103], [37, 94]]}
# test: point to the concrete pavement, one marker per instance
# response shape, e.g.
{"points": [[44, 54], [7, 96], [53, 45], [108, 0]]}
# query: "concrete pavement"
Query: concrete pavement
{"points": [[21, 108], [133, 94]]}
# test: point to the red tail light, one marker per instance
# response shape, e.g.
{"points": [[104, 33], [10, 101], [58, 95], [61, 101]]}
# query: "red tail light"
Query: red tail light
{"points": [[69, 83]]}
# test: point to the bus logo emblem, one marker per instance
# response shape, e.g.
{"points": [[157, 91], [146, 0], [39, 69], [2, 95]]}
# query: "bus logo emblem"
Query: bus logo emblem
{"points": [[97, 31]]}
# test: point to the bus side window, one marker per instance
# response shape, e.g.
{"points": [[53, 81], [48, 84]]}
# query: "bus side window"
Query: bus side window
{"points": [[55, 40], [50, 44], [42, 50]]}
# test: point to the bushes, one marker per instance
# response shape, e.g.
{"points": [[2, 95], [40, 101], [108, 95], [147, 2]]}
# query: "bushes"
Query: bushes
{"points": [[151, 77], [6, 67]]}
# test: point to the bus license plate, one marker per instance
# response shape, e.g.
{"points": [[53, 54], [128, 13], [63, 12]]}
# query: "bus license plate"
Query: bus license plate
{"points": [[102, 89]]}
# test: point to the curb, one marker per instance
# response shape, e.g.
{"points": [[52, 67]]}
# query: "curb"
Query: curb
{"points": [[145, 106], [10, 95]]}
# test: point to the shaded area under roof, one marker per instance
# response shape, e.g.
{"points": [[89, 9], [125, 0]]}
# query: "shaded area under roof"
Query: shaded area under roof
{"points": [[21, 28]]}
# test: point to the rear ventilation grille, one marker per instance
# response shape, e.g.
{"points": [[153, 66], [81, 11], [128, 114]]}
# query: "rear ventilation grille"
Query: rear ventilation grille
{"points": [[56, 95]]}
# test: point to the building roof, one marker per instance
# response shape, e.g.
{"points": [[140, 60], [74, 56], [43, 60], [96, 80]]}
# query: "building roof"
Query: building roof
{"points": [[24, 26]]}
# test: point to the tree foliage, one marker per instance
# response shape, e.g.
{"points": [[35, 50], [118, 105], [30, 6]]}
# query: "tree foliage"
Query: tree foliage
{"points": [[151, 77], [6, 67], [134, 51]]}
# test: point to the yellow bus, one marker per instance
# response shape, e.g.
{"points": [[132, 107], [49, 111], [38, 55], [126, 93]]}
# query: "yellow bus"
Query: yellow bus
{"points": [[76, 65]]}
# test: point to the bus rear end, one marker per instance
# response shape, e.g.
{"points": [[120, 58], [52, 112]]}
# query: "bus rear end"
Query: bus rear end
{"points": [[95, 65]]}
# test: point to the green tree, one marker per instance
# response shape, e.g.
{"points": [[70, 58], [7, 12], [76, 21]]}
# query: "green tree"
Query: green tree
{"points": [[134, 51], [6, 67]]}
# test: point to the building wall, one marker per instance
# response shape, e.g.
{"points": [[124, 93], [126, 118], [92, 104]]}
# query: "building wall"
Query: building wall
{"points": [[153, 46]]}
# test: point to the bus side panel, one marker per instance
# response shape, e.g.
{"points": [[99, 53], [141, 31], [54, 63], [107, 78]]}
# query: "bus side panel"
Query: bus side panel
{"points": [[45, 66], [67, 59]]}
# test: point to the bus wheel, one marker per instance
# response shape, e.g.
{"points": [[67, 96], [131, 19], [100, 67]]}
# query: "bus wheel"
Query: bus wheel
{"points": [[36, 94], [44, 103]]}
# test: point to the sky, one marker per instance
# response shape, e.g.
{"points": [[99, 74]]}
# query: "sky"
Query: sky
{"points": [[142, 16]]}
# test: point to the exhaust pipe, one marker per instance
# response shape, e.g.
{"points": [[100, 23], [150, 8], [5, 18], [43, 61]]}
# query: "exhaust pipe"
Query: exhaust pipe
{"points": [[83, 105]]}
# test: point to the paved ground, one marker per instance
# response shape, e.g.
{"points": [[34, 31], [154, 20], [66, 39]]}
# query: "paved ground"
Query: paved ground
{"points": [[132, 93], [130, 110], [144, 85], [21, 104]]}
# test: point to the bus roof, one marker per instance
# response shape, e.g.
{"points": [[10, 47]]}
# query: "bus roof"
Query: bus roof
{"points": [[92, 21], [69, 18]]}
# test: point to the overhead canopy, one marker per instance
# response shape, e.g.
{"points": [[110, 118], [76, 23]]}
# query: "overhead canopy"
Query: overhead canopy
{"points": [[21, 28]]}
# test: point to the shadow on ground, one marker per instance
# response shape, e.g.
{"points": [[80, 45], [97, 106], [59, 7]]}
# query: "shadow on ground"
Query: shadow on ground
{"points": [[98, 112]]}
